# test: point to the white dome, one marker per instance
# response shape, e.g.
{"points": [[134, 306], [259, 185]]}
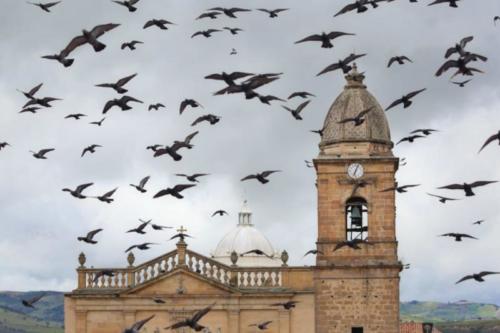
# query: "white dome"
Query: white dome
{"points": [[245, 237]]}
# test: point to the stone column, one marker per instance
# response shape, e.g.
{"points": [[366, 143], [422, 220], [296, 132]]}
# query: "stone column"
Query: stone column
{"points": [[181, 253], [81, 321], [284, 321]]}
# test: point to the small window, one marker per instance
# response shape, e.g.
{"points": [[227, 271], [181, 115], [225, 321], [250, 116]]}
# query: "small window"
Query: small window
{"points": [[357, 330], [356, 219]]}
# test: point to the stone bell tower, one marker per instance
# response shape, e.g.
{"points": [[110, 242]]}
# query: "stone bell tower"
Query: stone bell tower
{"points": [[357, 286]]}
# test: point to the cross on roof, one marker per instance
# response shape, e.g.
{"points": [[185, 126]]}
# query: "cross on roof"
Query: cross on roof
{"points": [[182, 230]]}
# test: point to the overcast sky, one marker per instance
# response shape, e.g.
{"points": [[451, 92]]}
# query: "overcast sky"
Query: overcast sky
{"points": [[40, 223]]}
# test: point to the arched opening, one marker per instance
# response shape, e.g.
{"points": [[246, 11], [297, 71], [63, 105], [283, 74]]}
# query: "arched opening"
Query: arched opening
{"points": [[356, 219]]}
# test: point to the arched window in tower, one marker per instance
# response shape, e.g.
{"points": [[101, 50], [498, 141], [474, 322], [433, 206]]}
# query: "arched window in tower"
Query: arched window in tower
{"points": [[356, 219]]}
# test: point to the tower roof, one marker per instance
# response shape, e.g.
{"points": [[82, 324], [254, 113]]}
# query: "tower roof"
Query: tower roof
{"points": [[354, 99]]}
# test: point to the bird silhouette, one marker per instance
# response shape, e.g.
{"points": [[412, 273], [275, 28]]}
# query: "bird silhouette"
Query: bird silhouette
{"points": [[210, 118], [122, 103], [31, 93], [90, 149], [193, 321], [140, 228], [324, 38], [41, 153], [467, 188], [233, 31], [160, 23], [343, 64], [212, 15], [261, 326], [400, 189], [313, 252], [301, 94], [77, 193], [353, 244], [142, 247], [261, 177], [188, 102], [424, 131], [287, 305], [45, 6], [296, 112], [89, 238], [29, 303], [358, 119], [462, 83], [118, 85], [441, 198], [257, 252], [106, 197], [131, 45], [399, 59], [174, 191], [205, 33], [141, 187], [492, 138], [405, 100], [75, 116], [3, 145], [451, 3], [129, 4], [230, 12], [479, 277], [192, 178], [98, 123], [458, 237], [136, 328], [220, 212], [155, 106], [273, 13], [410, 138]]}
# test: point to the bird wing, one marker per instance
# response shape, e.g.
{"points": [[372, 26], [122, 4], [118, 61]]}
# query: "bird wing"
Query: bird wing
{"points": [[452, 187], [198, 315], [214, 77], [188, 138], [362, 113], [249, 177], [82, 187], [447, 65], [123, 81], [393, 59], [144, 181], [110, 193], [393, 104], [105, 85], [329, 68], [109, 105], [346, 9], [466, 40], [130, 248], [353, 57], [311, 38], [36, 298], [182, 187], [489, 140], [487, 273], [73, 44], [197, 33], [389, 189], [45, 151], [269, 172], [467, 277], [138, 325], [406, 58], [35, 89], [302, 106], [409, 186], [335, 34], [200, 119], [239, 75], [92, 233], [99, 30], [162, 193], [415, 93], [127, 99], [482, 183]]}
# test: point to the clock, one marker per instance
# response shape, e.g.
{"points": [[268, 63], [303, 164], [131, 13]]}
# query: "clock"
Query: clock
{"points": [[355, 171]]}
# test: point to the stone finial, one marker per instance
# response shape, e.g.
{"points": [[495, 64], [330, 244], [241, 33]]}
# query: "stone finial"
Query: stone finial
{"points": [[131, 259], [354, 78], [234, 258], [82, 259], [284, 258]]}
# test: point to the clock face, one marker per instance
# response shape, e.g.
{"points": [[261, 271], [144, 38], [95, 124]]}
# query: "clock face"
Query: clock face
{"points": [[355, 171]]}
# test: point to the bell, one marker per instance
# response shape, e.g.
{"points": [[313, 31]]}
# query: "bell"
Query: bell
{"points": [[357, 216], [427, 327]]}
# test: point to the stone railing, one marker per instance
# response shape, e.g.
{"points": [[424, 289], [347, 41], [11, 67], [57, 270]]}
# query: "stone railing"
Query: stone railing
{"points": [[231, 276]]}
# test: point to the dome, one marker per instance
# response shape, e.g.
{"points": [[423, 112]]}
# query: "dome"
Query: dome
{"points": [[245, 237], [353, 100]]}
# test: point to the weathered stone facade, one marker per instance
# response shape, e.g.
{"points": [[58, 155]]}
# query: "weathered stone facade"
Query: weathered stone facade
{"points": [[348, 291]]}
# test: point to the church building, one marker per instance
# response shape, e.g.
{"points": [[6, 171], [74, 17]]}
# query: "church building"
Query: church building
{"points": [[352, 288]]}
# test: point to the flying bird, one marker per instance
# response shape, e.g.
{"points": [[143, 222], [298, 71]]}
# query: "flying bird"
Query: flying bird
{"points": [[142, 184], [174, 191], [273, 12], [410, 139], [140, 228], [32, 109], [122, 103], [399, 59], [267, 99], [155, 106], [319, 132], [106, 197], [41, 154], [230, 12], [188, 102], [495, 19], [45, 102], [228, 78], [353, 244], [342, 64], [467, 187], [287, 305], [118, 85], [490, 140], [478, 222], [462, 83], [405, 100], [458, 237], [98, 123], [477, 277], [45, 6], [90, 149], [104, 272], [142, 247], [424, 131], [459, 47], [210, 118], [76, 116], [31, 93], [162, 24], [159, 227], [136, 328], [3, 145], [233, 31], [360, 6], [192, 178], [313, 252], [324, 38], [181, 236], [131, 45], [220, 212], [29, 303], [261, 326], [358, 119], [205, 33], [441, 198], [301, 94], [89, 238], [77, 193], [261, 177], [451, 3], [400, 189], [211, 15], [257, 252], [193, 321], [296, 112], [128, 3]]}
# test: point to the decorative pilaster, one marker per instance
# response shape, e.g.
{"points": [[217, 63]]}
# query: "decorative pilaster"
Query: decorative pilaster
{"points": [[234, 321], [284, 321], [130, 272], [81, 321], [181, 249], [82, 259]]}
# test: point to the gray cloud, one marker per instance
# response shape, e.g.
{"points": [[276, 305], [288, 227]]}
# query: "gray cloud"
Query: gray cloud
{"points": [[41, 223]]}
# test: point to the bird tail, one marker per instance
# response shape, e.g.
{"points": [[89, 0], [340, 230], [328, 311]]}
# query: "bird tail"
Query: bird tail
{"points": [[67, 62], [98, 46]]}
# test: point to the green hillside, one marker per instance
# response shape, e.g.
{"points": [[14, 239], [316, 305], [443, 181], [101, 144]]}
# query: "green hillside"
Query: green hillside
{"points": [[444, 312], [14, 322], [476, 326], [50, 307]]}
